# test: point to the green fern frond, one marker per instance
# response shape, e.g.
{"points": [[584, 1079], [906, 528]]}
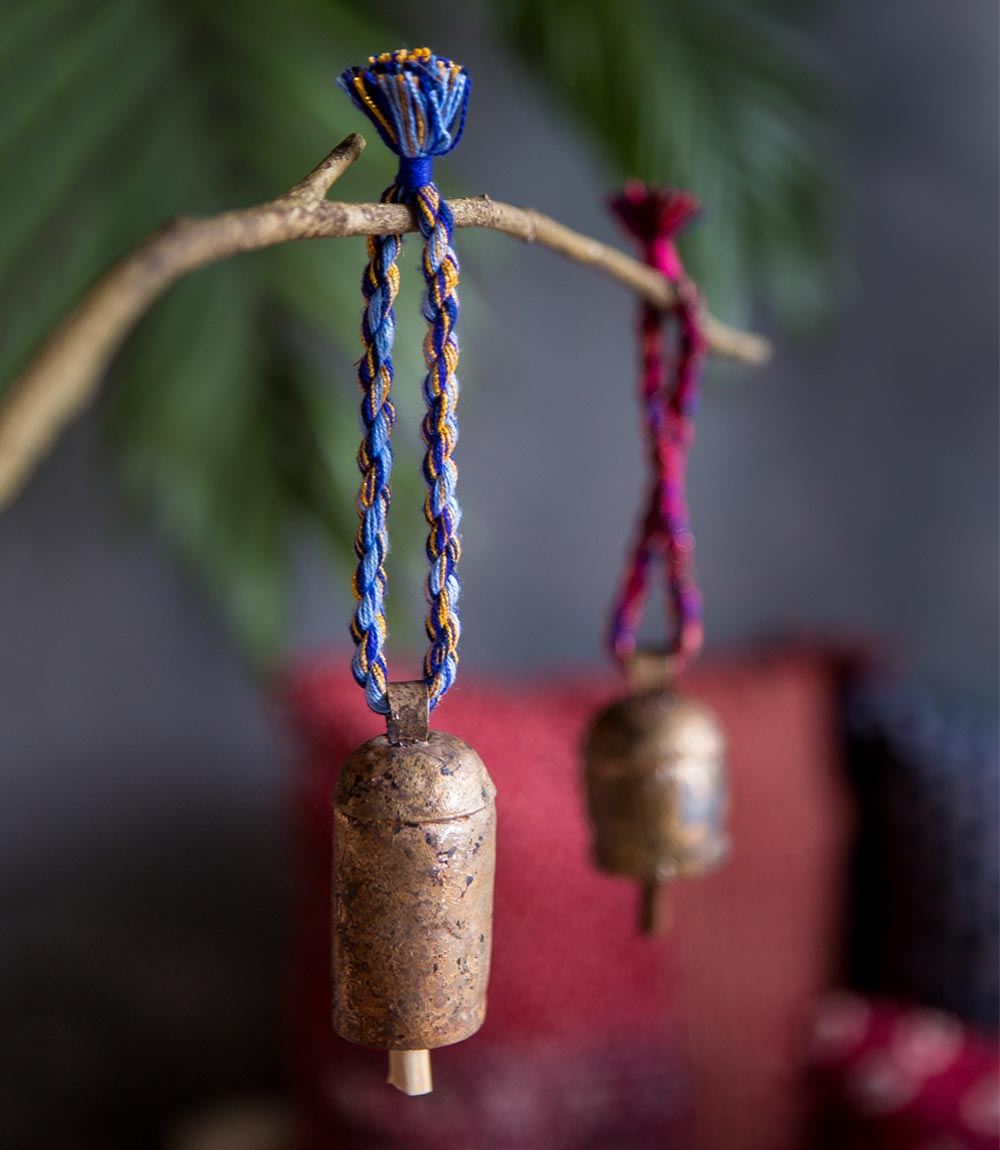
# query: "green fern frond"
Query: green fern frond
{"points": [[708, 95]]}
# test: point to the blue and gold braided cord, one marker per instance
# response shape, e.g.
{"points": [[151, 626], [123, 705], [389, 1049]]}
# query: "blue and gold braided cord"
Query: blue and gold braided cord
{"points": [[417, 102], [440, 432], [379, 286]]}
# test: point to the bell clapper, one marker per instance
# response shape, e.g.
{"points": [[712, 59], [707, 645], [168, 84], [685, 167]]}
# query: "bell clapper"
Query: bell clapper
{"points": [[410, 1071], [405, 725], [648, 671], [654, 909]]}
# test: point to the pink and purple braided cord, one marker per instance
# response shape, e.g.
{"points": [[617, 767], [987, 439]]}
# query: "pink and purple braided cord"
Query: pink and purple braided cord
{"points": [[669, 396]]}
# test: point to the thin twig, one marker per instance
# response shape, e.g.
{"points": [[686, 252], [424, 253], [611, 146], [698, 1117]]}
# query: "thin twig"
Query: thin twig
{"points": [[64, 373]]}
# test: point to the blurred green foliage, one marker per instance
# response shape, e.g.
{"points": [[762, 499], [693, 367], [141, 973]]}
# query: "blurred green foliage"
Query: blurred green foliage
{"points": [[117, 114], [717, 96]]}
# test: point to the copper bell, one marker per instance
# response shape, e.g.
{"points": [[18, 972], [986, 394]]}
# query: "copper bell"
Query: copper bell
{"points": [[414, 847], [654, 773]]}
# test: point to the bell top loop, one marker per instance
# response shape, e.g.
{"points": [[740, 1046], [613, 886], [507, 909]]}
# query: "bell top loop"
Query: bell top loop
{"points": [[648, 669], [409, 713]]}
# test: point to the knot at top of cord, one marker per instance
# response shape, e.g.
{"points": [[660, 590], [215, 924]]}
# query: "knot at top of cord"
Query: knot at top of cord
{"points": [[655, 217], [417, 102]]}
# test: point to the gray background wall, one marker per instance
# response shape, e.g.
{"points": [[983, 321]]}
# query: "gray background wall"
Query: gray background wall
{"points": [[849, 487]]}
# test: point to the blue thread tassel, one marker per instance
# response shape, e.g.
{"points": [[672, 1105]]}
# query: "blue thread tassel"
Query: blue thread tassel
{"points": [[416, 100]]}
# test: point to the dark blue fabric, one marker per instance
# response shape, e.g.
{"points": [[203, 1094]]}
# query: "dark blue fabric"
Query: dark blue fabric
{"points": [[927, 883]]}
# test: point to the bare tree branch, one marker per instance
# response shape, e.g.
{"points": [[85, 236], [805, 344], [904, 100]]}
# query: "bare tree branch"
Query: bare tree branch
{"points": [[64, 373]]}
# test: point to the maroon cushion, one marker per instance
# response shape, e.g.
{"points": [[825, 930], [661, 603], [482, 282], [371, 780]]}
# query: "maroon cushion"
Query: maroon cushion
{"points": [[586, 1021]]}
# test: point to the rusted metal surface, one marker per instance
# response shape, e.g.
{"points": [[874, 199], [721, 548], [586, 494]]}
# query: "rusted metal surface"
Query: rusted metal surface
{"points": [[414, 854], [408, 716], [655, 782]]}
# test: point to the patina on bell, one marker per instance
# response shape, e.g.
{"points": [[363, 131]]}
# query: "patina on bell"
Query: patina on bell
{"points": [[654, 772]]}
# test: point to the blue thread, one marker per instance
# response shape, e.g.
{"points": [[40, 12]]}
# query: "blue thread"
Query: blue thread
{"points": [[371, 546], [440, 433], [414, 172]]}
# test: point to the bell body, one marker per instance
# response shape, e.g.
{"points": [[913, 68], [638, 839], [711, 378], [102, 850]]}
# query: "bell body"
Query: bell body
{"points": [[656, 790], [413, 862]]}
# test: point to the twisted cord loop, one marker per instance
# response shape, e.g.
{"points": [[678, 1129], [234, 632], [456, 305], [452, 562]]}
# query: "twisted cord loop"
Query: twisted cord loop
{"points": [[669, 397], [417, 102]]}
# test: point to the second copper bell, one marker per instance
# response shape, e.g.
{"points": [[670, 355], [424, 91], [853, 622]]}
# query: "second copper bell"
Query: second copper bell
{"points": [[654, 774]]}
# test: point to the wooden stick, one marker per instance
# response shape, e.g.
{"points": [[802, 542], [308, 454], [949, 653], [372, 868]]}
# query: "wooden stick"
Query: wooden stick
{"points": [[410, 1071], [62, 376], [654, 912]]}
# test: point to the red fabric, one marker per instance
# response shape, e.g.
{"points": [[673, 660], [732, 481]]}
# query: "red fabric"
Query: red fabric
{"points": [[758, 939], [585, 1021], [892, 1077]]}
